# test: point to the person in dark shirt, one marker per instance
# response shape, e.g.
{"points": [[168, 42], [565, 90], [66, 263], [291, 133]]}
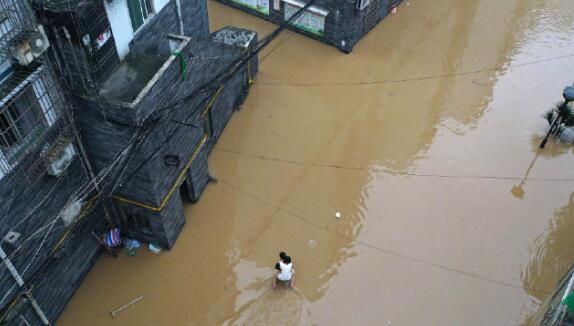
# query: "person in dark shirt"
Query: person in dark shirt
{"points": [[282, 256]]}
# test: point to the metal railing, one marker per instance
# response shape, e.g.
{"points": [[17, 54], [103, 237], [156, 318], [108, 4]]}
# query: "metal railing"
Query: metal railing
{"points": [[29, 105], [16, 18]]}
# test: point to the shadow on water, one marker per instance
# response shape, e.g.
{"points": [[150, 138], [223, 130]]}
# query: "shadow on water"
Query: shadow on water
{"points": [[553, 149]]}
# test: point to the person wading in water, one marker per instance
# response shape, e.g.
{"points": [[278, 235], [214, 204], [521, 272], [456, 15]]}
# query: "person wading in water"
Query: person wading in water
{"points": [[284, 271]]}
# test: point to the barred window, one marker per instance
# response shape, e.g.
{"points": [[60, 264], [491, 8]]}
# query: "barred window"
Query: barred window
{"points": [[20, 119], [29, 105]]}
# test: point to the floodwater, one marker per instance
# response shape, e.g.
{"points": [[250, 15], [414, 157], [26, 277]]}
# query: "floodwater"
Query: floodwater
{"points": [[424, 139]]}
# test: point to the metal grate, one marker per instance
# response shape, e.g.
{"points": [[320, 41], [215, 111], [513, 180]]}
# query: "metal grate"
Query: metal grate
{"points": [[29, 106], [16, 18]]}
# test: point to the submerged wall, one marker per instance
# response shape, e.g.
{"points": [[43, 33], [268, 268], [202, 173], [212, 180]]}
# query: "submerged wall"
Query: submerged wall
{"points": [[57, 226], [175, 149], [335, 22]]}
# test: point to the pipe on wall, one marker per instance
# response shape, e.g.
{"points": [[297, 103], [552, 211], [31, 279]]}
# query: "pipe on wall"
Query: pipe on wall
{"points": [[18, 278], [179, 18]]}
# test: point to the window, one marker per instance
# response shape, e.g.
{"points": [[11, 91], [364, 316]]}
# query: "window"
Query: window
{"points": [[140, 11], [20, 120]]}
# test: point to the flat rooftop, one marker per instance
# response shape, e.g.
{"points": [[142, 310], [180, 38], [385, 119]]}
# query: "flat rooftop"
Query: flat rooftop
{"points": [[131, 76]]}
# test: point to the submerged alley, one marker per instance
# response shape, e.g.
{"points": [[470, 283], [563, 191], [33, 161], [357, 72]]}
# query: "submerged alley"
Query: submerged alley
{"points": [[404, 179], [420, 138]]}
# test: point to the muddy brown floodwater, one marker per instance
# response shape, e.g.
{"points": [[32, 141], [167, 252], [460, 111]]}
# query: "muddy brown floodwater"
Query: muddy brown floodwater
{"points": [[424, 138]]}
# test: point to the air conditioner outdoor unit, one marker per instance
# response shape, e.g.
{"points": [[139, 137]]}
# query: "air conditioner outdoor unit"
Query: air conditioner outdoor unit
{"points": [[59, 157], [362, 4], [71, 212], [30, 47]]}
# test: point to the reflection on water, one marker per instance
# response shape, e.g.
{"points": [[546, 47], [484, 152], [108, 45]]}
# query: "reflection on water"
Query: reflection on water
{"points": [[554, 149]]}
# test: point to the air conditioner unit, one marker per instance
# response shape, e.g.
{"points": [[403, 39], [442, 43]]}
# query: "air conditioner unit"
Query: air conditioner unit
{"points": [[59, 157], [362, 4], [31, 46], [71, 212]]}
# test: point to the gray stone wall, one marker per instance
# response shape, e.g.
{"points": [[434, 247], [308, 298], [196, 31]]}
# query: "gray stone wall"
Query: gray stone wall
{"points": [[197, 176], [152, 38], [345, 25], [32, 209], [167, 157], [57, 257]]}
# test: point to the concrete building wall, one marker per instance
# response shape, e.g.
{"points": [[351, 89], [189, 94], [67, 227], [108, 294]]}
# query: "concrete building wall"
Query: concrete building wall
{"points": [[57, 249], [152, 179], [151, 38], [52, 257], [336, 22], [119, 17]]}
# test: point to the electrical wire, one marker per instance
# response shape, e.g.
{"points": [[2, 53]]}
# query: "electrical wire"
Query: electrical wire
{"points": [[129, 151], [211, 87], [381, 249], [390, 171], [411, 79]]}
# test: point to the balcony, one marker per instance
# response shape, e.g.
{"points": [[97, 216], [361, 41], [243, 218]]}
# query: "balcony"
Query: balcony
{"points": [[29, 106], [142, 82]]}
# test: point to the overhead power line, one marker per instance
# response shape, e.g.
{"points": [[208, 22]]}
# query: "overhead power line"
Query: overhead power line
{"points": [[411, 79], [210, 88], [109, 177]]}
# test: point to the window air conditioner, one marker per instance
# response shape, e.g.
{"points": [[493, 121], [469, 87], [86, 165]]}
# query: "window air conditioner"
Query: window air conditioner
{"points": [[362, 4], [30, 47], [59, 157]]}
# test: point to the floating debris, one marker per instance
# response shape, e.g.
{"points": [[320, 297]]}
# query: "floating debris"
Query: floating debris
{"points": [[132, 246], [156, 249], [115, 312], [312, 244]]}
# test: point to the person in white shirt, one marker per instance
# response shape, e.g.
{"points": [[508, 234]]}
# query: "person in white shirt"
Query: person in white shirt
{"points": [[285, 273]]}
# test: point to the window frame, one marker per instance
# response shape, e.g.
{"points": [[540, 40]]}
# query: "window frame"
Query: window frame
{"points": [[147, 5], [15, 118]]}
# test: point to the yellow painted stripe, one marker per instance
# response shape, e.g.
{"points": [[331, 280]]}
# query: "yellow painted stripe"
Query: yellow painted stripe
{"points": [[215, 96], [176, 184], [249, 79]]}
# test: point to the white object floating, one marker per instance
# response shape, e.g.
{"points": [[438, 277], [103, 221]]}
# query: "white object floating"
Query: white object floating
{"points": [[312, 244], [338, 215], [154, 248]]}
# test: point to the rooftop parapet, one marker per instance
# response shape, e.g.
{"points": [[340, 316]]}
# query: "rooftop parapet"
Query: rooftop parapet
{"points": [[137, 85]]}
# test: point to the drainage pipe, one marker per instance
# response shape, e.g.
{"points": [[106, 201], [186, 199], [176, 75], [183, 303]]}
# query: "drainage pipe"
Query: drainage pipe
{"points": [[8, 263], [179, 18]]}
